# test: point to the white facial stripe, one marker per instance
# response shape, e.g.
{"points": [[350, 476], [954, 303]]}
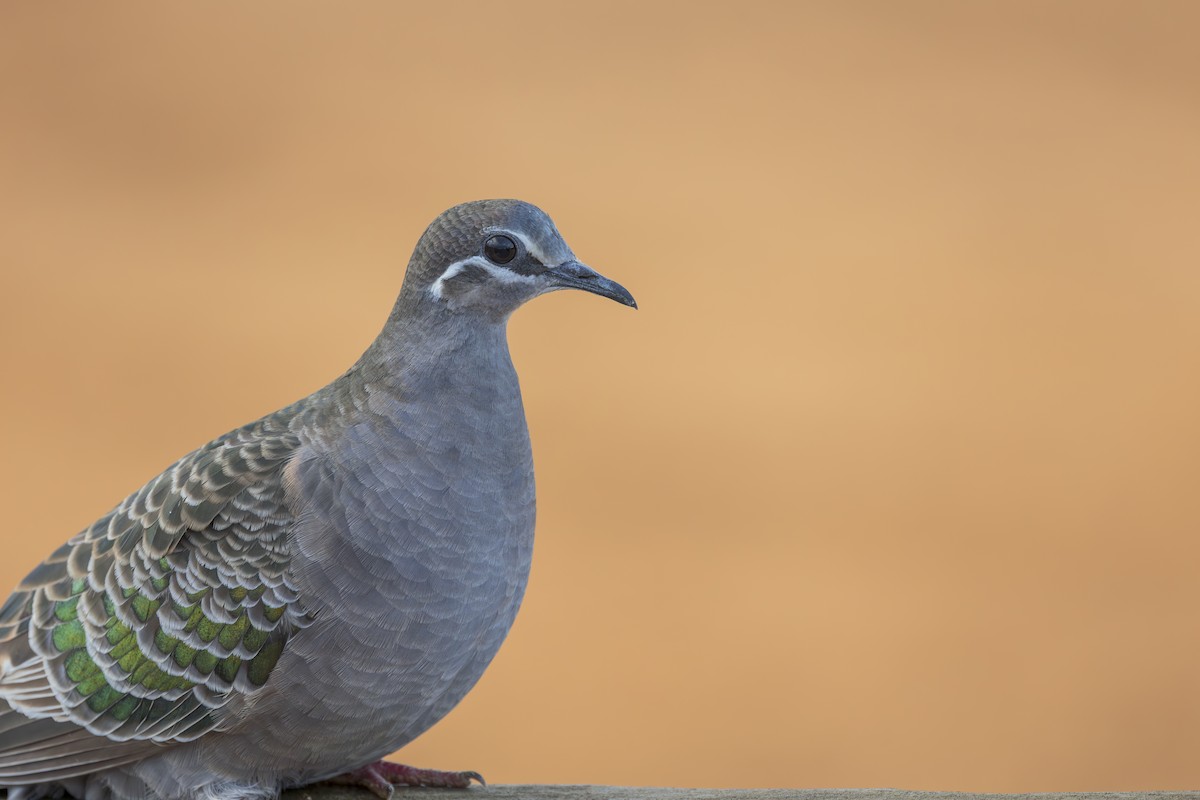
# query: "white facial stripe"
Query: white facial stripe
{"points": [[530, 247], [497, 273]]}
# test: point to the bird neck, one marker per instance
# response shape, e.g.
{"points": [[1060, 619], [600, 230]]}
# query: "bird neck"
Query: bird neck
{"points": [[427, 350]]}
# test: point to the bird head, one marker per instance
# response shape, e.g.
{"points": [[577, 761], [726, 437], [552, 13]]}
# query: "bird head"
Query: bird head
{"points": [[490, 256]]}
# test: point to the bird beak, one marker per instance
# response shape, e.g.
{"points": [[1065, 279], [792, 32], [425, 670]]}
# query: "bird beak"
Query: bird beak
{"points": [[574, 275]]}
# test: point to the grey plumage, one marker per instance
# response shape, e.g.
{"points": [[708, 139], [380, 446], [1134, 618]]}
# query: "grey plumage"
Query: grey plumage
{"points": [[311, 591]]}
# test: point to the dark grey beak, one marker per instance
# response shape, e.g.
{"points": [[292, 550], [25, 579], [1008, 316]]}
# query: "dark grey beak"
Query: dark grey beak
{"points": [[573, 275]]}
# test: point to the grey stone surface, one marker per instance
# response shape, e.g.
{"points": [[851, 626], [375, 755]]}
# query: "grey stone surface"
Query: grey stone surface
{"points": [[537, 792]]}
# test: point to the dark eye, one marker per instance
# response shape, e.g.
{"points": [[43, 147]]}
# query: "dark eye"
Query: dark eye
{"points": [[500, 249]]}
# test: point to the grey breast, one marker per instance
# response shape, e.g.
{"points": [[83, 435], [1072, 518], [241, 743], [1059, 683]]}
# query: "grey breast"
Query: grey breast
{"points": [[412, 551]]}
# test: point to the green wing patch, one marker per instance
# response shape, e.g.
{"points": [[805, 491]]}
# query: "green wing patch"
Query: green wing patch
{"points": [[150, 620], [149, 684]]}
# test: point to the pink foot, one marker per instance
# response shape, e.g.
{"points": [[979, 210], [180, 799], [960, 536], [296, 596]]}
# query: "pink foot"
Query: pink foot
{"points": [[382, 778]]}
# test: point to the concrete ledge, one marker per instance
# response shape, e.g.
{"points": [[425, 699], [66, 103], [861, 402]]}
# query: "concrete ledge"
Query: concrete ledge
{"points": [[536, 792]]}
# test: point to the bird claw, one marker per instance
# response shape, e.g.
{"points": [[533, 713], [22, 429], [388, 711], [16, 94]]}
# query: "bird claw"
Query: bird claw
{"points": [[382, 778]]}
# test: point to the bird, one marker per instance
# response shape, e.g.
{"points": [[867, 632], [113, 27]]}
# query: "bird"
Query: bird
{"points": [[298, 598]]}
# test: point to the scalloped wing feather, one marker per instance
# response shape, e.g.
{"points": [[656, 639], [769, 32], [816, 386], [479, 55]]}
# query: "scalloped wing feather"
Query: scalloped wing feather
{"points": [[144, 625]]}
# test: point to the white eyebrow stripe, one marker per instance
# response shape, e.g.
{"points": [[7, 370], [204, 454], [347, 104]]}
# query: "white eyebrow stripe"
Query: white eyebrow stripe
{"points": [[501, 274], [530, 247]]}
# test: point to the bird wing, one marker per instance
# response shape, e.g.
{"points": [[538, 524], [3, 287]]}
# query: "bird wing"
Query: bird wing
{"points": [[136, 632]]}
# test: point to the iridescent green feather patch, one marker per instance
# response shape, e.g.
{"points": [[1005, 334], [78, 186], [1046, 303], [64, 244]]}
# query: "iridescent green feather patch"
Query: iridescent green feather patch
{"points": [[70, 639]]}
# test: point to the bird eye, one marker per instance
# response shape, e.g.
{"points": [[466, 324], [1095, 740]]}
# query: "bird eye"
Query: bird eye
{"points": [[500, 249]]}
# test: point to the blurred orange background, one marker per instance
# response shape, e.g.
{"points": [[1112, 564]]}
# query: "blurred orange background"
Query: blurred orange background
{"points": [[892, 480]]}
